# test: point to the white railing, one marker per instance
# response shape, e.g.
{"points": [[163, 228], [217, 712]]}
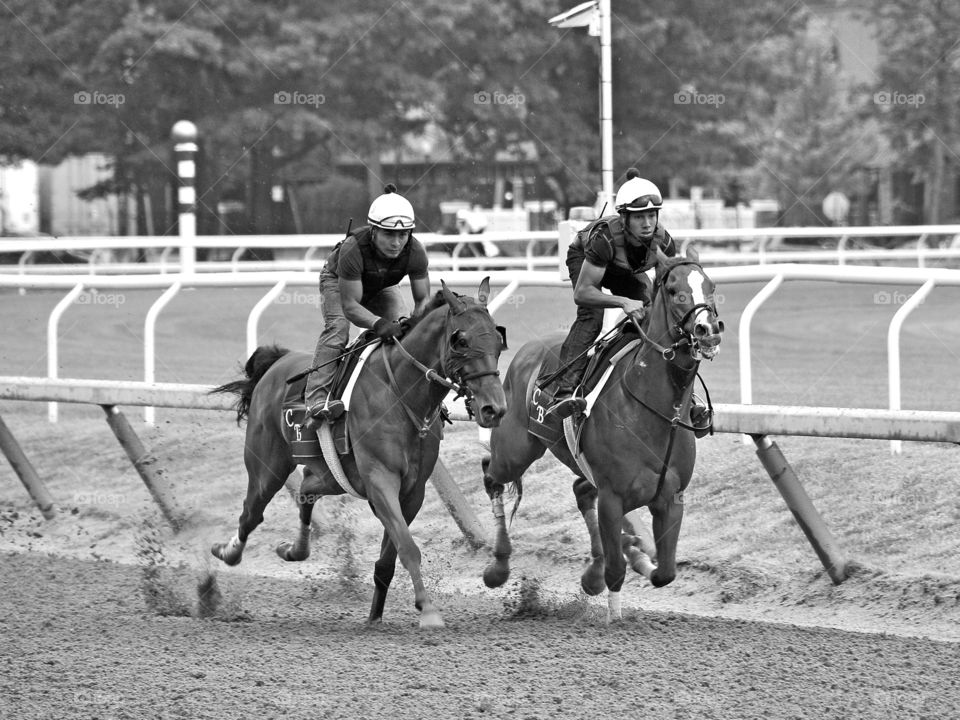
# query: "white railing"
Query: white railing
{"points": [[925, 280], [520, 250]]}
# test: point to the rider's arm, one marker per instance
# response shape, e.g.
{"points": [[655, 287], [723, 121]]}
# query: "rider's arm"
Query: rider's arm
{"points": [[351, 293], [588, 292], [419, 279], [420, 289]]}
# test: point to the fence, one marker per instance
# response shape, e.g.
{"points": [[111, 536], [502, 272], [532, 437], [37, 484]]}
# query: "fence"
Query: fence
{"points": [[925, 279], [759, 422], [521, 250]]}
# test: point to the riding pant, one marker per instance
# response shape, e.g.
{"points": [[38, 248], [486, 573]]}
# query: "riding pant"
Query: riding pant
{"points": [[387, 303], [589, 321]]}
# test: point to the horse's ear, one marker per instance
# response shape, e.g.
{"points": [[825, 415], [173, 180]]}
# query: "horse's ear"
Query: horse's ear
{"points": [[483, 294], [662, 258], [455, 303], [692, 254]]}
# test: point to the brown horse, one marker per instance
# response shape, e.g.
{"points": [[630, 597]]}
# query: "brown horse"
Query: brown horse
{"points": [[636, 439], [394, 424]]}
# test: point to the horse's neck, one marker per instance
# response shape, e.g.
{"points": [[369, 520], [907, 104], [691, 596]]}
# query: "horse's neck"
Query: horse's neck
{"points": [[423, 343], [677, 375]]}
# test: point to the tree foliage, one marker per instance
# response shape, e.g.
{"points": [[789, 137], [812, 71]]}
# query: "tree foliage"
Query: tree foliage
{"points": [[290, 89], [918, 92]]}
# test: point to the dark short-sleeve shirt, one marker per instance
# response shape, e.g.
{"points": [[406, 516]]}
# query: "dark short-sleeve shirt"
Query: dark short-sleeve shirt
{"points": [[356, 258], [606, 246]]}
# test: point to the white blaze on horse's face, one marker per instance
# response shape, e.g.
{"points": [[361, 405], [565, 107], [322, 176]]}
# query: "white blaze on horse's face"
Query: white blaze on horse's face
{"points": [[702, 324]]}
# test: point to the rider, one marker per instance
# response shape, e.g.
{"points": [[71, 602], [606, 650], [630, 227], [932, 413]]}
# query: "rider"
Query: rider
{"points": [[359, 284], [613, 252]]}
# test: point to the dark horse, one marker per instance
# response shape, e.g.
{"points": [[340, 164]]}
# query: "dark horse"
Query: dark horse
{"points": [[394, 426], [635, 438]]}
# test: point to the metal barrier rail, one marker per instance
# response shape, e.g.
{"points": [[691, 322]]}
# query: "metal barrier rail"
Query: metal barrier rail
{"points": [[758, 421]]}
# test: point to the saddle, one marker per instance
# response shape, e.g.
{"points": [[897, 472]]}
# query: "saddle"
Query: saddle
{"points": [[306, 444], [550, 430]]}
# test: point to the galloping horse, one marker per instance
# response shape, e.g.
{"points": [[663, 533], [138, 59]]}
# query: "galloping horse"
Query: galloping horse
{"points": [[634, 438], [394, 425]]}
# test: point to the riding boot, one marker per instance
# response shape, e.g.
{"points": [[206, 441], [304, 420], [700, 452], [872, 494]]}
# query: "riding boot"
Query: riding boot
{"points": [[316, 395]]}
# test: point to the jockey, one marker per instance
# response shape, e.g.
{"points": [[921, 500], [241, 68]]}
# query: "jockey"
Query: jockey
{"points": [[613, 252], [359, 284]]}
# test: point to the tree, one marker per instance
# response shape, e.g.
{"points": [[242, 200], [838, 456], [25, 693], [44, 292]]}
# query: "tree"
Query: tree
{"points": [[918, 93], [819, 133]]}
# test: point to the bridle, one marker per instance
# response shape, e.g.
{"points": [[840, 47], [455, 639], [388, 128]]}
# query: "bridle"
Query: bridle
{"points": [[453, 362], [685, 338]]}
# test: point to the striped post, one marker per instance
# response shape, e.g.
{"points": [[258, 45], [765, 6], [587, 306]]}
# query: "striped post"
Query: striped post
{"points": [[184, 135]]}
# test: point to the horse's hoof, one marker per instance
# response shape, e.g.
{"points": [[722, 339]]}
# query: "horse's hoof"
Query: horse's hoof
{"points": [[431, 619], [495, 575], [286, 551], [219, 551], [592, 581]]}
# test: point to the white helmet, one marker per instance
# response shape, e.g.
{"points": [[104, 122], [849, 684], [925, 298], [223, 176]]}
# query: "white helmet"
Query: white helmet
{"points": [[391, 211], [637, 194]]}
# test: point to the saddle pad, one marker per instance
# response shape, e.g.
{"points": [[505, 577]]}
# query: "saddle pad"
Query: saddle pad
{"points": [[549, 431], [307, 445], [303, 445]]}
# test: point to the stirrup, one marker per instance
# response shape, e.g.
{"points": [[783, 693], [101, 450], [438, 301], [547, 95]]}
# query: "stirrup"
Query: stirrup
{"points": [[568, 406], [330, 411]]}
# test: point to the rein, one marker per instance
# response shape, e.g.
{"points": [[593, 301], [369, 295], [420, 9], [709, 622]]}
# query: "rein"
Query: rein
{"points": [[458, 383]]}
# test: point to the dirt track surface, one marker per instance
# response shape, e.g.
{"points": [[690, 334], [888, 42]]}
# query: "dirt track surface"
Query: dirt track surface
{"points": [[78, 643]]}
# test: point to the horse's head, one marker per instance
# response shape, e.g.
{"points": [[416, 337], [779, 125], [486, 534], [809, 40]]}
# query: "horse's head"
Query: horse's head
{"points": [[470, 351], [690, 304]]}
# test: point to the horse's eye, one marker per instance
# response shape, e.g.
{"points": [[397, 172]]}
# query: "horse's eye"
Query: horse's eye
{"points": [[458, 340]]}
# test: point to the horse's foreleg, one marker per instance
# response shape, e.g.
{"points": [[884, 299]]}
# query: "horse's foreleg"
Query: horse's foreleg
{"points": [[610, 519], [512, 452], [667, 514], [384, 498], [592, 578], [383, 571]]}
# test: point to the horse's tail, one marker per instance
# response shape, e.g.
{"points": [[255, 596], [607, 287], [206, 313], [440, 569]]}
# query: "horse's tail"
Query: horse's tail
{"points": [[257, 364]]}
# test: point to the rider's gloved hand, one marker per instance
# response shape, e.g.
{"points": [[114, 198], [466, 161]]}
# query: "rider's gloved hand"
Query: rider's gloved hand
{"points": [[387, 330]]}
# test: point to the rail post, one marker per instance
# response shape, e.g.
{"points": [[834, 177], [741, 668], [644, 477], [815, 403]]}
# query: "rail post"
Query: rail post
{"points": [[184, 136], [24, 470], [458, 507], [144, 464], [802, 508]]}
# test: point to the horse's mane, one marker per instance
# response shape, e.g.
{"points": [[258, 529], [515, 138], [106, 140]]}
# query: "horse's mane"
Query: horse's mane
{"points": [[437, 301]]}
